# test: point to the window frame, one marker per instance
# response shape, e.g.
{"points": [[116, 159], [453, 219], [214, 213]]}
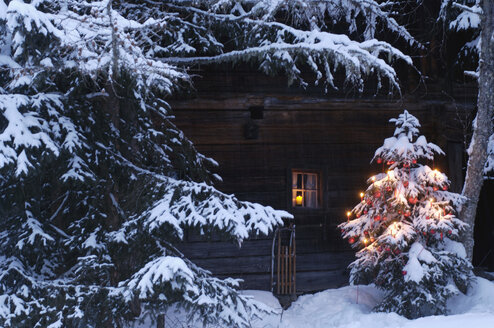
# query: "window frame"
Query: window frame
{"points": [[319, 190]]}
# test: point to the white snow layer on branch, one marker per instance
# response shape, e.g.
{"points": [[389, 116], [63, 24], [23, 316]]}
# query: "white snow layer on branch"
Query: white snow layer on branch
{"points": [[161, 270], [191, 204], [417, 256], [302, 12], [272, 41], [25, 129], [93, 41], [208, 297]]}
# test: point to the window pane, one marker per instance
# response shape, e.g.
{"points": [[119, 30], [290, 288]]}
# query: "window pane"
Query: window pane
{"points": [[311, 182], [299, 181], [311, 199]]}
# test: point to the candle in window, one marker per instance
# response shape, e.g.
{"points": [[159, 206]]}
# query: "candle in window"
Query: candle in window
{"points": [[298, 198]]}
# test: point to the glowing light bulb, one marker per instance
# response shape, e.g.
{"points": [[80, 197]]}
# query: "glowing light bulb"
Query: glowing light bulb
{"points": [[348, 213], [361, 195], [373, 178]]}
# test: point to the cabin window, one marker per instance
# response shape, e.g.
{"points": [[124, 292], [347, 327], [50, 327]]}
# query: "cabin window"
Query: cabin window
{"points": [[305, 189]]}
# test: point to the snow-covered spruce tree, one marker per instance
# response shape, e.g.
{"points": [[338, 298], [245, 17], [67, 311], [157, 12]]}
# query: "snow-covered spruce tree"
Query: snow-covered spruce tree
{"points": [[407, 230], [96, 182], [478, 17]]}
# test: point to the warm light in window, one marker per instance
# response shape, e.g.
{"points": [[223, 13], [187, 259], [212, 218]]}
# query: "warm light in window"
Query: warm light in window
{"points": [[305, 189]]}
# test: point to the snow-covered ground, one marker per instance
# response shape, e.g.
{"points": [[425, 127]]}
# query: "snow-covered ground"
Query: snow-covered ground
{"points": [[338, 308]]}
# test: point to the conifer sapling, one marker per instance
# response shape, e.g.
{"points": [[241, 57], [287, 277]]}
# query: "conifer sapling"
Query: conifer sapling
{"points": [[406, 228]]}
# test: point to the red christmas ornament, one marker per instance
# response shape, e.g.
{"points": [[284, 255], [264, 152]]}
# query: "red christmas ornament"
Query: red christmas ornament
{"points": [[365, 211], [399, 212], [388, 249], [366, 232], [379, 160], [406, 165], [445, 187], [414, 161], [384, 218], [424, 233], [369, 202], [388, 188], [397, 251], [407, 214], [372, 239], [405, 184], [412, 200], [351, 240], [377, 218], [435, 188], [433, 231], [357, 215], [404, 272], [427, 217], [378, 194]]}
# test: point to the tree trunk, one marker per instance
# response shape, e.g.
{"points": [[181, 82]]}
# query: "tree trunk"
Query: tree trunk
{"points": [[482, 127], [160, 321]]}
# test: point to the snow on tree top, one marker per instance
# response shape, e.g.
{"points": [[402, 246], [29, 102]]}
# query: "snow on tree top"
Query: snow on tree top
{"points": [[402, 147]]}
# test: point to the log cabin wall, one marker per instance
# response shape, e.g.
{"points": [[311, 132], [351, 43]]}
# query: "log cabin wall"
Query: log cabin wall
{"points": [[259, 130]]}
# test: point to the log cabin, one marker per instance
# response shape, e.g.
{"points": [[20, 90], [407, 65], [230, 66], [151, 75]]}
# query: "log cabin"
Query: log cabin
{"points": [[307, 152]]}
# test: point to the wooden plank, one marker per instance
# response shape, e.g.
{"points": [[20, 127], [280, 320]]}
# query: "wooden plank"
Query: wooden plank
{"points": [[195, 250], [262, 264], [306, 282], [320, 280], [299, 101], [259, 281], [312, 243], [282, 134]]}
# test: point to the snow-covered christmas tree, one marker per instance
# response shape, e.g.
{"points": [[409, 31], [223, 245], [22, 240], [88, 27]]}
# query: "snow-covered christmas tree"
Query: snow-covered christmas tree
{"points": [[406, 229]]}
